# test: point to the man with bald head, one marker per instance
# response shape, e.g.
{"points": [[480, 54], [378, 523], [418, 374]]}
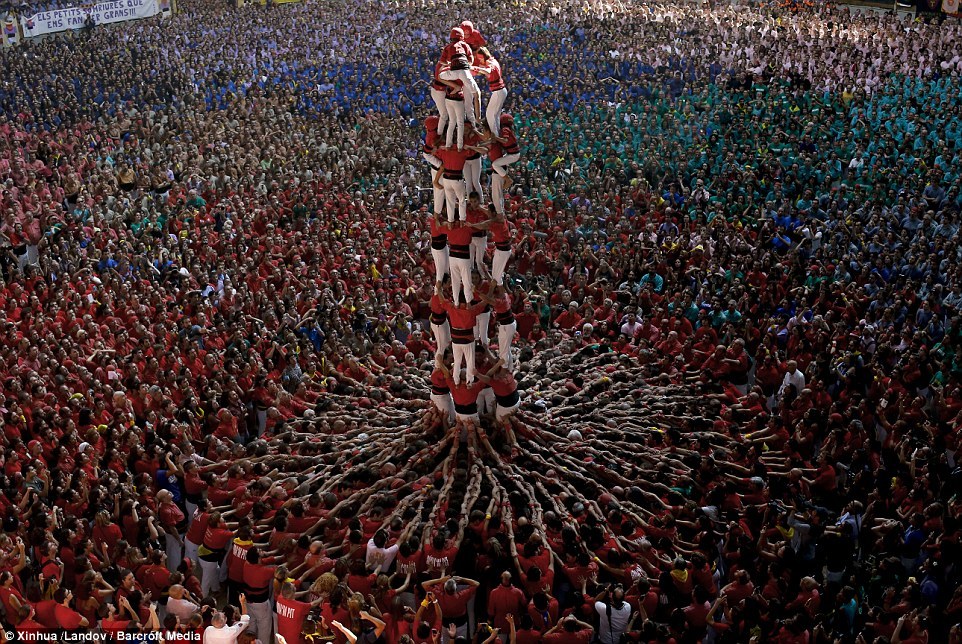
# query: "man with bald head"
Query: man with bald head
{"points": [[179, 604], [505, 600]]}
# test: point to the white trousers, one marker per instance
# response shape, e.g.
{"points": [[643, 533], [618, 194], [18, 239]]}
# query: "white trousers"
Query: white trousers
{"points": [[438, 200], [463, 357], [472, 176], [210, 578], [498, 264], [497, 192], [486, 401], [438, 95], [442, 336], [506, 334], [455, 123], [454, 198], [478, 247], [493, 113], [461, 280], [482, 328], [445, 404], [469, 87], [190, 551], [500, 166], [441, 262]]}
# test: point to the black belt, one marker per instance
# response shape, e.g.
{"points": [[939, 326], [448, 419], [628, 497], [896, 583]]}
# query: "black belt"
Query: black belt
{"points": [[454, 98], [478, 234], [474, 157], [215, 556], [460, 252], [510, 400], [453, 174], [439, 243], [439, 318], [439, 391], [506, 318], [257, 595], [502, 246], [464, 410], [513, 150]]}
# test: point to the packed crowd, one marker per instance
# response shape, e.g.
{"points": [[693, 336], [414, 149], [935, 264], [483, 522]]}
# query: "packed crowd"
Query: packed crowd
{"points": [[706, 290]]}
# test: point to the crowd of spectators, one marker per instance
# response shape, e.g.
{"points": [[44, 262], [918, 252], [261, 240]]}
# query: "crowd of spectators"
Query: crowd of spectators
{"points": [[735, 278]]}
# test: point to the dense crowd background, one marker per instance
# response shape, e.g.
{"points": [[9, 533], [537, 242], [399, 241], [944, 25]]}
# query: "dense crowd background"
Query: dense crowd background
{"points": [[736, 282]]}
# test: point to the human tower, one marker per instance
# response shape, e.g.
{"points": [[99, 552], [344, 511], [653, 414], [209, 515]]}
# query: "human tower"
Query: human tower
{"points": [[468, 379]]}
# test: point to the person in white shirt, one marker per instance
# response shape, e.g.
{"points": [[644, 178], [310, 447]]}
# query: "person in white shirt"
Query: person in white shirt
{"points": [[220, 633], [178, 604], [793, 377], [378, 556], [614, 613]]}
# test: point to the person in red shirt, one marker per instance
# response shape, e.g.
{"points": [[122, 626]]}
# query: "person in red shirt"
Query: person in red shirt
{"points": [[465, 395], [439, 243], [570, 319], [67, 618], [506, 152], [194, 487], [453, 601], [507, 325], [505, 388], [696, 613], [105, 532], [212, 553], [155, 577], [45, 612], [258, 579], [173, 523], [10, 596], [26, 623], [501, 233], [505, 600], [439, 554], [440, 326], [441, 393], [473, 147], [463, 320], [477, 215], [450, 178], [459, 240], [198, 527], [489, 67], [291, 613], [482, 322], [570, 630], [236, 561], [456, 59]]}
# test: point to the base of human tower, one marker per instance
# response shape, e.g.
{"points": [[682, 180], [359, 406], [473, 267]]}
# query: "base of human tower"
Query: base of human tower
{"points": [[594, 433]]}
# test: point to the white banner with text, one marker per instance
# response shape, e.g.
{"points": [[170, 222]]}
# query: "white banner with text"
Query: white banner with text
{"points": [[102, 13]]}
